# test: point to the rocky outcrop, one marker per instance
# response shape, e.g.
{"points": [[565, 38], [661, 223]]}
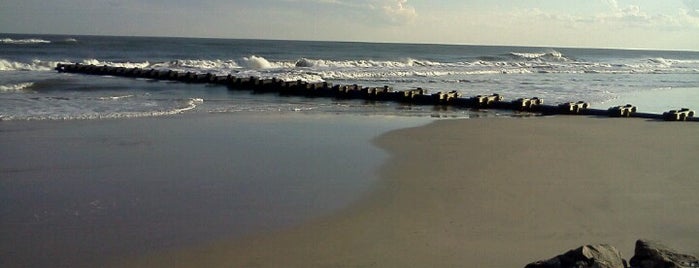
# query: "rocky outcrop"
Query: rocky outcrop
{"points": [[650, 254], [593, 256]]}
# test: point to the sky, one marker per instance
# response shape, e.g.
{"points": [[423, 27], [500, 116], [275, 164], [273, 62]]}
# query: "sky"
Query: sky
{"points": [[636, 24]]}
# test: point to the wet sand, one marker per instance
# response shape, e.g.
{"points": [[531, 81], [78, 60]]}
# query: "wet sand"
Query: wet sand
{"points": [[83, 193], [495, 192]]}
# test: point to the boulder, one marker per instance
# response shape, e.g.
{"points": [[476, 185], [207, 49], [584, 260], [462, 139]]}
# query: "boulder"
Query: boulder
{"points": [[650, 254], [593, 256]]}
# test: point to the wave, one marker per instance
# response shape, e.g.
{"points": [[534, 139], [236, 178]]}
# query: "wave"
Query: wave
{"points": [[34, 65], [189, 104], [551, 55], [23, 41], [349, 75], [670, 62], [144, 64], [199, 64], [256, 62], [185, 106], [320, 69], [15, 88], [69, 40], [310, 63], [113, 98]]}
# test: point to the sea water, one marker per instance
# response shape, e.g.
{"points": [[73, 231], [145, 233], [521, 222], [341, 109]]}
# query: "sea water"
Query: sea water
{"points": [[85, 193], [114, 188], [31, 90]]}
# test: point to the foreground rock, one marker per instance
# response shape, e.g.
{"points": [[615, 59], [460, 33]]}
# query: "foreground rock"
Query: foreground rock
{"points": [[597, 256], [649, 254]]}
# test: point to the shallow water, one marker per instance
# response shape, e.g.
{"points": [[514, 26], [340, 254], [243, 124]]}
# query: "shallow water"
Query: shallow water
{"points": [[77, 193]]}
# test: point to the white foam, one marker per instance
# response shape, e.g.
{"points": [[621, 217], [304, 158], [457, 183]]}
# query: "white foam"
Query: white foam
{"points": [[127, 64], [549, 55], [257, 62], [198, 64], [15, 88], [319, 63], [23, 41], [78, 113], [35, 65], [116, 97], [191, 105]]}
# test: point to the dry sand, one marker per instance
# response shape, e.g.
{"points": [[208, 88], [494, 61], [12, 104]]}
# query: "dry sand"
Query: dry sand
{"points": [[496, 193]]}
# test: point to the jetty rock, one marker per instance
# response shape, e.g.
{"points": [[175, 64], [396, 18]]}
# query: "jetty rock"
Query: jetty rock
{"points": [[651, 254], [592, 256]]}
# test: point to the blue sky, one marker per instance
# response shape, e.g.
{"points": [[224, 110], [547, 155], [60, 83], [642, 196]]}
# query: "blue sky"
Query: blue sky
{"points": [[669, 24]]}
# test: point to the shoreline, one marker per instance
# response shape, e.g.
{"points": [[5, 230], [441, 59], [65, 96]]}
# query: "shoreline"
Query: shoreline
{"points": [[496, 192]]}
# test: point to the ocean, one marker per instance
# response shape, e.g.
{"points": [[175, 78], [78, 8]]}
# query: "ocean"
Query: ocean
{"points": [[30, 89], [85, 192]]}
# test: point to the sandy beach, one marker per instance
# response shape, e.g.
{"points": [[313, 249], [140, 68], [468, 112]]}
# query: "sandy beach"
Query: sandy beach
{"points": [[494, 192]]}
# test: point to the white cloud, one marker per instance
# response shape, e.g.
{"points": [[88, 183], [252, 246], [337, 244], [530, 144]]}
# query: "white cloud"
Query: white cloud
{"points": [[612, 3], [692, 7], [393, 12], [398, 11]]}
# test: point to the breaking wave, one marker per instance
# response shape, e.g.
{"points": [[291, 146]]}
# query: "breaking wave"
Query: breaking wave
{"points": [[319, 69], [144, 64], [14, 88], [551, 55], [69, 40], [256, 62], [309, 63], [23, 41], [671, 62], [114, 98], [34, 65], [199, 64], [58, 112]]}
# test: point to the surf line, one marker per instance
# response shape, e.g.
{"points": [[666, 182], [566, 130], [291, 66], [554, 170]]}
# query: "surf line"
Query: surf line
{"points": [[416, 96]]}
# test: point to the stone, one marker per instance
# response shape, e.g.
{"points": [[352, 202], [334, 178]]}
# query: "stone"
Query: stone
{"points": [[651, 254], [592, 256]]}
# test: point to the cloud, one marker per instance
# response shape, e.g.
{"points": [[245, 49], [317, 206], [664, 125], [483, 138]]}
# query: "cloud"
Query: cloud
{"points": [[612, 3], [394, 12], [692, 7], [399, 11]]}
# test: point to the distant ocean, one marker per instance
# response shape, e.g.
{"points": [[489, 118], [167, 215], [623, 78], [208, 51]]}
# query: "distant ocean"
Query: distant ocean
{"points": [[31, 90]]}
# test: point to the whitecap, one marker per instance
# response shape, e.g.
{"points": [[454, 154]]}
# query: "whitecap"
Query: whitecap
{"points": [[35, 65], [127, 64], [67, 113], [16, 88], [549, 55], [115, 97], [23, 41], [256, 62]]}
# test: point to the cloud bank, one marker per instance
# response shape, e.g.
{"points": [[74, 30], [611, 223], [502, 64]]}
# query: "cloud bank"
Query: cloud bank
{"points": [[394, 12], [692, 7]]}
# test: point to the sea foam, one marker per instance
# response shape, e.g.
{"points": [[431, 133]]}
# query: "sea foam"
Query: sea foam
{"points": [[34, 65], [14, 88], [550, 55], [23, 41], [83, 109]]}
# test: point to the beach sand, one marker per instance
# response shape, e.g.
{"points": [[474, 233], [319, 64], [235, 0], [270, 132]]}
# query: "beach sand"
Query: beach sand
{"points": [[495, 192]]}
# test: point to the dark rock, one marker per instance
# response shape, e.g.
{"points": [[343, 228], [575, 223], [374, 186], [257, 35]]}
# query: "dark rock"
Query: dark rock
{"points": [[650, 254], [593, 256]]}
